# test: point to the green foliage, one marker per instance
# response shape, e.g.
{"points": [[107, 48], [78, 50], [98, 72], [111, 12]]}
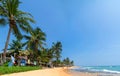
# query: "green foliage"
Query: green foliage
{"points": [[56, 53], [7, 70], [2, 21], [35, 40], [15, 18], [44, 56], [67, 62], [16, 45], [57, 48], [5, 64]]}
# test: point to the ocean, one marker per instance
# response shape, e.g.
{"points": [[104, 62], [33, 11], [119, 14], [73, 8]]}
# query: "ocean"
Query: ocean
{"points": [[104, 69]]}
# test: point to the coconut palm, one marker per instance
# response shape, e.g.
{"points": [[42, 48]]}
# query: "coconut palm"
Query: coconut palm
{"points": [[57, 48], [15, 18], [35, 40], [50, 54], [66, 61], [72, 63], [16, 45], [44, 58]]}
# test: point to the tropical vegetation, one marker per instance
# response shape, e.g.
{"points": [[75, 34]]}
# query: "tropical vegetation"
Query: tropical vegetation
{"points": [[30, 42], [16, 19]]}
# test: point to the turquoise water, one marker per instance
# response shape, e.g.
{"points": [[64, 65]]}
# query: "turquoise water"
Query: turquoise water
{"points": [[105, 69], [113, 68]]}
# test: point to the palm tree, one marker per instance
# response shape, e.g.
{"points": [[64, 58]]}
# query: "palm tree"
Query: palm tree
{"points": [[50, 54], [72, 63], [66, 61], [57, 47], [15, 18], [44, 58], [16, 45], [35, 40]]}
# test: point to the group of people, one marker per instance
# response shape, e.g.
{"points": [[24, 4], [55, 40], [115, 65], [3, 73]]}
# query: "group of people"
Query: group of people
{"points": [[22, 62], [15, 62]]}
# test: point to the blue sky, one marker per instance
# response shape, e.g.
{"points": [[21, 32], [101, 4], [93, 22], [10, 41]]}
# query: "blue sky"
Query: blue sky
{"points": [[88, 29]]}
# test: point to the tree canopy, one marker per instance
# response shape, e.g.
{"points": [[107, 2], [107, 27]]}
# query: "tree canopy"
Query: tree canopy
{"points": [[33, 40]]}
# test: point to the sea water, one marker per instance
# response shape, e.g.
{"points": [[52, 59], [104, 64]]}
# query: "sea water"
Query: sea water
{"points": [[100, 69]]}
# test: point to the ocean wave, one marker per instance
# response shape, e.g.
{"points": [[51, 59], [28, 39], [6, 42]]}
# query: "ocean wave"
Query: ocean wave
{"points": [[104, 71], [93, 69], [110, 71]]}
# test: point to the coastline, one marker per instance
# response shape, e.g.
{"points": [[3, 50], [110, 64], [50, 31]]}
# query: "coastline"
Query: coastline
{"points": [[92, 74], [62, 71], [76, 73], [85, 73]]}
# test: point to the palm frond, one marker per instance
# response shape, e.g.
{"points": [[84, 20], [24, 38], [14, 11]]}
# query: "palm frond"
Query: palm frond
{"points": [[26, 37], [3, 11], [17, 32], [24, 21], [16, 45], [12, 6], [3, 21], [25, 16]]}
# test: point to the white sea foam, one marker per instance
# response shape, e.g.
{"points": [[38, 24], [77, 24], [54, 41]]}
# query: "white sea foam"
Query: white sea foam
{"points": [[111, 71], [105, 71], [99, 69]]}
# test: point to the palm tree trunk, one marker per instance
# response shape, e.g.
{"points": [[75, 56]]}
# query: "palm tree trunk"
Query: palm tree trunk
{"points": [[6, 44]]}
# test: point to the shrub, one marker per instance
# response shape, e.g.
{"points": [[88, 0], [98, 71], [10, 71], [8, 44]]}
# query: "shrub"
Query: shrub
{"points": [[15, 69]]}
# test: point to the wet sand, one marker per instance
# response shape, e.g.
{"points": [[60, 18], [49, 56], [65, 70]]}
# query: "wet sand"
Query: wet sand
{"points": [[92, 74]]}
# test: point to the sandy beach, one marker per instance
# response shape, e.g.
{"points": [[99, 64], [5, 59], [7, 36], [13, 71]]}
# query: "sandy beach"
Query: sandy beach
{"points": [[55, 72], [50, 72], [43, 72]]}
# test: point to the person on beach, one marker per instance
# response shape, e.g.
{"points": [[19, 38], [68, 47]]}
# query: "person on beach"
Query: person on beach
{"points": [[11, 63]]}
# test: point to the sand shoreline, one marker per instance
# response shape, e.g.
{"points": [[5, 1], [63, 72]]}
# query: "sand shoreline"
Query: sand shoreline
{"points": [[43, 72], [92, 74], [55, 72]]}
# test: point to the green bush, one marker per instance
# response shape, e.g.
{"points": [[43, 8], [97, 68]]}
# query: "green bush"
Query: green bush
{"points": [[5, 64], [7, 70]]}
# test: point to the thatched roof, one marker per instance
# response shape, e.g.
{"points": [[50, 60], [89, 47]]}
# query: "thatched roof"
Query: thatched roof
{"points": [[25, 52]]}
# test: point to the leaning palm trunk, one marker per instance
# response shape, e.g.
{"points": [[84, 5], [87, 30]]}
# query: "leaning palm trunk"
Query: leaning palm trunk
{"points": [[17, 19], [6, 44], [11, 24]]}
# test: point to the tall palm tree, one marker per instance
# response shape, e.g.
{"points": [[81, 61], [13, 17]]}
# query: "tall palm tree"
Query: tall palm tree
{"points": [[50, 54], [72, 63], [15, 18], [35, 40], [44, 58], [57, 48]]}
